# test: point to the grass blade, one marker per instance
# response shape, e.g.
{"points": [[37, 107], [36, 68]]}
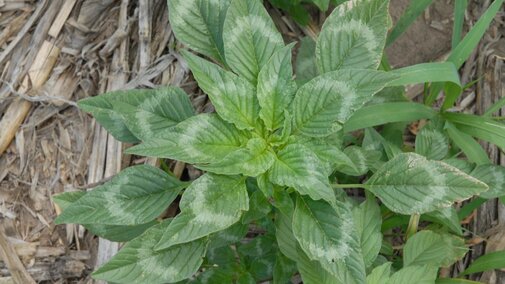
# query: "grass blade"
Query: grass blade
{"points": [[484, 128], [494, 260], [459, 18], [386, 113], [472, 149]]}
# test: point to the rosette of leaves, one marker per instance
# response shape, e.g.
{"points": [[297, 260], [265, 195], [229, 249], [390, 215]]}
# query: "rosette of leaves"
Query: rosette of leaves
{"points": [[269, 154]]}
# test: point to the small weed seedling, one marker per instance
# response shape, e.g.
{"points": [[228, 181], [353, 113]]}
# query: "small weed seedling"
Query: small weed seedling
{"points": [[281, 152]]}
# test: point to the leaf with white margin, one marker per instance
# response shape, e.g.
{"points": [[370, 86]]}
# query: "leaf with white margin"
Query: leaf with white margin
{"points": [[327, 234], [251, 161], [353, 36], [411, 184], [367, 218], [136, 195], [204, 138], [419, 274], [139, 262], [305, 66], [432, 143], [250, 38], [312, 272], [437, 249], [356, 161], [380, 274], [327, 149], [324, 104], [276, 88], [494, 177], [233, 97], [147, 112], [199, 25], [298, 167], [210, 204]]}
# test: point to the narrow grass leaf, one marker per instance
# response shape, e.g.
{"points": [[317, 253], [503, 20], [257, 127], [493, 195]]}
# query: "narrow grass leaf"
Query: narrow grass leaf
{"points": [[489, 261]]}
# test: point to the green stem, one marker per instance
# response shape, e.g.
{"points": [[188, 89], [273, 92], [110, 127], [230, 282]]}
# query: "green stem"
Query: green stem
{"points": [[355, 185], [413, 224]]}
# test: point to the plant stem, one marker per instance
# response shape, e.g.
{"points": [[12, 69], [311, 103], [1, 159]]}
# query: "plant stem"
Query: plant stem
{"points": [[355, 185], [413, 223]]}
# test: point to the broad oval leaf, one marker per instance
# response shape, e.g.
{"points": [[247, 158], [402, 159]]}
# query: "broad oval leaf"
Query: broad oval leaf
{"points": [[432, 143], [353, 36], [298, 167], [367, 218], [437, 249], [380, 274], [326, 234], [448, 217], [199, 25], [139, 262], [251, 161], [276, 88], [136, 195], [232, 96], [210, 204], [204, 138], [419, 274], [136, 115], [324, 104], [411, 184], [494, 177], [115, 233], [250, 38]]}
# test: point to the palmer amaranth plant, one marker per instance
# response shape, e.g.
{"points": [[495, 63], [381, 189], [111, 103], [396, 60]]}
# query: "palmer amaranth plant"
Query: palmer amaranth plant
{"points": [[280, 151]]}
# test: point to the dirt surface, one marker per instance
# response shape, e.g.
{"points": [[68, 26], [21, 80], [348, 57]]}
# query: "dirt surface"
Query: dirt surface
{"points": [[427, 39], [106, 45]]}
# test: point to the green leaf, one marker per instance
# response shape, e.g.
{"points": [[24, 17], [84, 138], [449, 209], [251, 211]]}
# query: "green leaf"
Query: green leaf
{"points": [[118, 233], [258, 247], [356, 160], [326, 234], [459, 20], [494, 177], [324, 104], [251, 161], [204, 138], [367, 218], [259, 207], [480, 127], [432, 143], [384, 113], [298, 167], [283, 269], [210, 204], [136, 195], [437, 249], [327, 149], [322, 4], [228, 236], [489, 261], [448, 217], [411, 184], [312, 272], [276, 88], [139, 262], [233, 97], [250, 38], [353, 36], [380, 274], [472, 149], [420, 274], [115, 233], [460, 54], [199, 25], [284, 236], [455, 281], [413, 11], [305, 67], [147, 112], [427, 72]]}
